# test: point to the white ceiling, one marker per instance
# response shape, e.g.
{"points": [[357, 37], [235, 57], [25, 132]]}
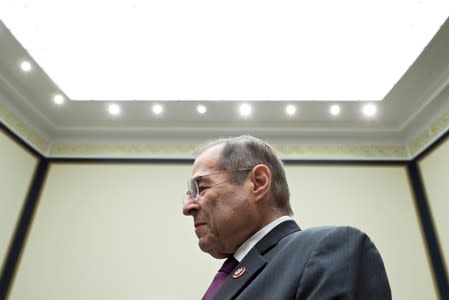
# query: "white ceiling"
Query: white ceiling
{"points": [[238, 50], [419, 97]]}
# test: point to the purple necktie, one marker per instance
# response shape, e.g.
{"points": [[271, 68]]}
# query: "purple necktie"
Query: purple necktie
{"points": [[220, 277]]}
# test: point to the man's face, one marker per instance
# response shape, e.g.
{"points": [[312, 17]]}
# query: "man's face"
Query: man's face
{"points": [[223, 214]]}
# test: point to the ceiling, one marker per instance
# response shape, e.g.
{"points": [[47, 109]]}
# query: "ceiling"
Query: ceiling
{"points": [[411, 115]]}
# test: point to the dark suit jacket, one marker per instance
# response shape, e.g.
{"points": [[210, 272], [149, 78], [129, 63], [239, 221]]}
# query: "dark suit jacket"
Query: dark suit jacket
{"points": [[319, 263]]}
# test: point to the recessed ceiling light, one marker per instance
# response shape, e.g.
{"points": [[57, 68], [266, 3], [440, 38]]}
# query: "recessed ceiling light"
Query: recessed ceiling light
{"points": [[335, 110], [58, 99], [157, 109], [114, 109], [25, 66], [245, 110], [290, 109], [201, 109], [369, 110]]}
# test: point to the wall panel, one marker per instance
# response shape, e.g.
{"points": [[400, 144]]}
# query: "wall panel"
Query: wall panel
{"points": [[17, 166], [434, 169], [112, 231]]}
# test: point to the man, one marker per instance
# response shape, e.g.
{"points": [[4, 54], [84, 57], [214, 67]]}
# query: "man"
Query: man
{"points": [[239, 200]]}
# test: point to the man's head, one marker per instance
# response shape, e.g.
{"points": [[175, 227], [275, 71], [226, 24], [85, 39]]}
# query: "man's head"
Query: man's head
{"points": [[238, 186]]}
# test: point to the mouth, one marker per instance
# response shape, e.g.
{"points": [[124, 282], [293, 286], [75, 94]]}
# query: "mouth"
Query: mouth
{"points": [[198, 224]]}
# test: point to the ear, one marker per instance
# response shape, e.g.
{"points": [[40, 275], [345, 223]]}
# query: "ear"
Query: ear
{"points": [[261, 179]]}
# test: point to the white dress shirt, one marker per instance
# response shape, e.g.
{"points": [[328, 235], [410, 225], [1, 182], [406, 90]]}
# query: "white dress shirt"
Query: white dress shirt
{"points": [[252, 241]]}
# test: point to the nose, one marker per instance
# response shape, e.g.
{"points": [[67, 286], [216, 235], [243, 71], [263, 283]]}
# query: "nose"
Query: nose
{"points": [[190, 207]]}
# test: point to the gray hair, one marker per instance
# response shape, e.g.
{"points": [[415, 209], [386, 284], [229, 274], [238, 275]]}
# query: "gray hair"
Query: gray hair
{"points": [[246, 152]]}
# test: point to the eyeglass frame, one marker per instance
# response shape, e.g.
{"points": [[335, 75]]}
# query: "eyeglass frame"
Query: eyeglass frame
{"points": [[194, 182]]}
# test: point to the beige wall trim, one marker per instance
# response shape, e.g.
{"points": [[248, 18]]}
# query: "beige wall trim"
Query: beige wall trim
{"points": [[286, 151], [429, 136], [398, 151], [22, 130]]}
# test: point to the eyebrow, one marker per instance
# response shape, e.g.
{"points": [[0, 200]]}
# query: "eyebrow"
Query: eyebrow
{"points": [[201, 178], [206, 176]]}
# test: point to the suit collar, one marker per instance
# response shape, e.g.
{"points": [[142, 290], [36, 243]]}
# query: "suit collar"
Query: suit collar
{"points": [[273, 237], [254, 261], [244, 248]]}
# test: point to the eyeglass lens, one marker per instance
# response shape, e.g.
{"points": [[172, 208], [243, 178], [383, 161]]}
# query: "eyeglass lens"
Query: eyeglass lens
{"points": [[192, 184], [193, 189]]}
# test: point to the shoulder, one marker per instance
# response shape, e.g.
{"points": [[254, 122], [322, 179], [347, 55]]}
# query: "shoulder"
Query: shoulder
{"points": [[333, 235], [331, 231], [336, 244], [327, 238], [345, 261]]}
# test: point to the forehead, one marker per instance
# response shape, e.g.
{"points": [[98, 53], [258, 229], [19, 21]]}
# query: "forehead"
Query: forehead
{"points": [[207, 161]]}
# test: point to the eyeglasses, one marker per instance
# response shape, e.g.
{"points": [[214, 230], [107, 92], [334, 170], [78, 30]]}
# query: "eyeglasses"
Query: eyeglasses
{"points": [[193, 190]]}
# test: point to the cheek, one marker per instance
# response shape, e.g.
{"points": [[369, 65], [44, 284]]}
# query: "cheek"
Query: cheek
{"points": [[231, 212], [225, 210]]}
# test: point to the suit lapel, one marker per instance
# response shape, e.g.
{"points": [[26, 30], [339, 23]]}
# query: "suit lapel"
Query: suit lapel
{"points": [[233, 285], [254, 262], [277, 233]]}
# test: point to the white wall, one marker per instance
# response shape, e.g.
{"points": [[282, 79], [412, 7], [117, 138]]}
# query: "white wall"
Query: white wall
{"points": [[16, 171], [116, 231], [113, 232], [434, 168]]}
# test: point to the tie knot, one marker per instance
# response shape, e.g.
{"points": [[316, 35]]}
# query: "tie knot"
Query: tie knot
{"points": [[229, 265], [220, 277]]}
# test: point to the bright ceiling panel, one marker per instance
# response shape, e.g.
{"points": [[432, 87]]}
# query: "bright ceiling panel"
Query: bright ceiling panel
{"points": [[224, 50]]}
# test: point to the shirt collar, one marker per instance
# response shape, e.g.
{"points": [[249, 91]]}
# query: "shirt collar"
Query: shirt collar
{"points": [[252, 241]]}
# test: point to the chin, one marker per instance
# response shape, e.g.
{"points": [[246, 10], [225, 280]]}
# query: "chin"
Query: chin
{"points": [[205, 247], [214, 254]]}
